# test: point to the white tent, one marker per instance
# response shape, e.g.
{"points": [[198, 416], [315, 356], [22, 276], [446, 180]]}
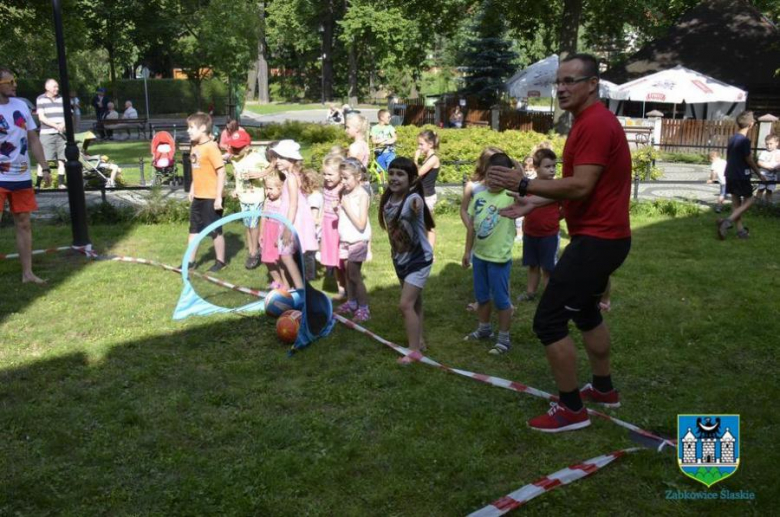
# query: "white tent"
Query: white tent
{"points": [[537, 81], [678, 85]]}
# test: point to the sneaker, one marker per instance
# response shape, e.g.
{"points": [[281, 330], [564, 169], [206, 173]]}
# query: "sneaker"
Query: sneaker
{"points": [[718, 209], [252, 261], [191, 265], [744, 233], [609, 399], [723, 227], [217, 267], [476, 336], [498, 349], [345, 308], [526, 297], [559, 419], [362, 314]]}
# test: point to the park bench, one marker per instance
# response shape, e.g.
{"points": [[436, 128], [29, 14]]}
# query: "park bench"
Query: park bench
{"points": [[139, 124]]}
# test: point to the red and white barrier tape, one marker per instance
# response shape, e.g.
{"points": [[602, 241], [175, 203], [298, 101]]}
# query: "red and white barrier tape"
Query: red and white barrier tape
{"points": [[495, 381], [4, 256], [563, 477]]}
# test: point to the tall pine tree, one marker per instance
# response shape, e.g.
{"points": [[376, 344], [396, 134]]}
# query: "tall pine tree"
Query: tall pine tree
{"points": [[487, 59]]}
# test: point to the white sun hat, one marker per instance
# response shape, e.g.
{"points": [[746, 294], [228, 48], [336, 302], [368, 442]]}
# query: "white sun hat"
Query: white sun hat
{"points": [[288, 149]]}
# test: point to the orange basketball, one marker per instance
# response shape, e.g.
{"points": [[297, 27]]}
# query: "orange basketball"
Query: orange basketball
{"points": [[287, 326]]}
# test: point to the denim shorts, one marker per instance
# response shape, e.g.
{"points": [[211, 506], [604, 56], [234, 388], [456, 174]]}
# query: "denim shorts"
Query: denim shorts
{"points": [[491, 282]]}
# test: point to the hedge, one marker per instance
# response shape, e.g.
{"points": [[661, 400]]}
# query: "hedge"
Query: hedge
{"points": [[165, 95], [463, 145], [458, 145]]}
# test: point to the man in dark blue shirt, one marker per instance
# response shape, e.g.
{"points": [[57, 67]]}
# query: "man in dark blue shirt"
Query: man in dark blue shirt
{"points": [[739, 165]]}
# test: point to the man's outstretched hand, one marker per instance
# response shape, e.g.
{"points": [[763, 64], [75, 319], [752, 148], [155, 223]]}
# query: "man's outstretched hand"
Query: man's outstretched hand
{"points": [[521, 207], [503, 177]]}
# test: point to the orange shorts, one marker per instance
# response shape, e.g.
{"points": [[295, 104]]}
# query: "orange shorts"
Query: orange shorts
{"points": [[20, 201]]}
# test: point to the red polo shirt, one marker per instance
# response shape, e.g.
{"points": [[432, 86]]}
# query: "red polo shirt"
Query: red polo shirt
{"points": [[597, 138]]}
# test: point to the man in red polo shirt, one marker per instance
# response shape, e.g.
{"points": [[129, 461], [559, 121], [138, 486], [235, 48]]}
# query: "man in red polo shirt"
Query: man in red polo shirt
{"points": [[595, 191]]}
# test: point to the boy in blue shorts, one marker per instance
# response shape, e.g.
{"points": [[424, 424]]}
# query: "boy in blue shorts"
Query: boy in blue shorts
{"points": [[489, 241], [540, 231]]}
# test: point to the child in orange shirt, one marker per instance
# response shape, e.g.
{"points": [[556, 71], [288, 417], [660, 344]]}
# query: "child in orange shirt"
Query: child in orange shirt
{"points": [[208, 181]]}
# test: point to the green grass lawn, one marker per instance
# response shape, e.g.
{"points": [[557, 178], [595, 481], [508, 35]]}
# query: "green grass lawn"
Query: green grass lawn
{"points": [[270, 109], [110, 407]]}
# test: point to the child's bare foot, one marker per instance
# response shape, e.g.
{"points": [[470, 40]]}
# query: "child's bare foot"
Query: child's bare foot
{"points": [[30, 278]]}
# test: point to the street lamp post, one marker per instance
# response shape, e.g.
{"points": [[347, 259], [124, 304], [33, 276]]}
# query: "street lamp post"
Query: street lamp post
{"points": [[78, 206], [145, 75]]}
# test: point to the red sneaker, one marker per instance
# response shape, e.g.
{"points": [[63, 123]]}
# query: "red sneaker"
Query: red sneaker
{"points": [[609, 399], [559, 419]]}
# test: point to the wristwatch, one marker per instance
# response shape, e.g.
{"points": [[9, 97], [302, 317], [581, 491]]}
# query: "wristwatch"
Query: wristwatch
{"points": [[46, 170], [522, 188]]}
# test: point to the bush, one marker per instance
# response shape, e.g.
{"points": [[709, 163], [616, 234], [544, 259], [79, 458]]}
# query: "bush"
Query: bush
{"points": [[305, 133], [457, 145], [684, 158], [643, 164]]}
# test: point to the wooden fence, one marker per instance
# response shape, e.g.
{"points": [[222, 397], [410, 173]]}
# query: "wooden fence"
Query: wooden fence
{"points": [[703, 136], [525, 121]]}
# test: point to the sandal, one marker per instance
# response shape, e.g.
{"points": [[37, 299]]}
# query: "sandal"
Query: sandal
{"points": [[472, 307]]}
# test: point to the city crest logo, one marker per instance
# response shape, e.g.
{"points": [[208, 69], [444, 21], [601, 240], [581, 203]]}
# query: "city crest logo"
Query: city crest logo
{"points": [[708, 446]]}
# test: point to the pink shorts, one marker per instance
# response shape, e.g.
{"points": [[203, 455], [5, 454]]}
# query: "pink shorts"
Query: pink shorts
{"points": [[354, 252]]}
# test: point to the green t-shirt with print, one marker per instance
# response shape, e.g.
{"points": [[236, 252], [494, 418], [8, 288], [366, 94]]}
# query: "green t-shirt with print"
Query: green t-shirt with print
{"points": [[383, 133], [494, 234]]}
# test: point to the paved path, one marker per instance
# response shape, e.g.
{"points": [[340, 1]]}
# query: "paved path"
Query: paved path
{"points": [[312, 115]]}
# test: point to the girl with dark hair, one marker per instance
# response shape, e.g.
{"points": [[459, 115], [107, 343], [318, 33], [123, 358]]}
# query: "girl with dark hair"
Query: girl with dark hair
{"points": [[403, 213], [429, 165]]}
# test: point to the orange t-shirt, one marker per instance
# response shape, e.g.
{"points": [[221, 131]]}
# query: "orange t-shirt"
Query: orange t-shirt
{"points": [[206, 160]]}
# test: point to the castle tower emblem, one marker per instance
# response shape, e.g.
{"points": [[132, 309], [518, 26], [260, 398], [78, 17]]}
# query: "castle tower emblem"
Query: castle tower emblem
{"points": [[708, 446]]}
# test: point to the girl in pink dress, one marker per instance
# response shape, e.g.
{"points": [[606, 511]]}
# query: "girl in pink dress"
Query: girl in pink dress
{"points": [[270, 230], [295, 208], [329, 244]]}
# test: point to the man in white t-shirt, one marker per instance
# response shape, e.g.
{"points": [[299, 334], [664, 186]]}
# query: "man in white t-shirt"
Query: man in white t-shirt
{"points": [[130, 111], [17, 136]]}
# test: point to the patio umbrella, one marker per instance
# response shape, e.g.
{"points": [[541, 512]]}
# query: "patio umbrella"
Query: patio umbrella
{"points": [[678, 85], [536, 80]]}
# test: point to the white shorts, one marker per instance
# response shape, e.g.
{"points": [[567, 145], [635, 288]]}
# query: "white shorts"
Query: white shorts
{"points": [[419, 277], [430, 202]]}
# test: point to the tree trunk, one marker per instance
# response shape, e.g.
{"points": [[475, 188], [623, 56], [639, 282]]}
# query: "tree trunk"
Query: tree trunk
{"points": [[327, 52], [112, 74], [251, 82], [567, 44], [353, 74], [263, 94]]}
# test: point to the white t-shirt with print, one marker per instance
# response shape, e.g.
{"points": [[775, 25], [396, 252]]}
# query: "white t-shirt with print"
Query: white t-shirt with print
{"points": [[772, 157], [15, 122]]}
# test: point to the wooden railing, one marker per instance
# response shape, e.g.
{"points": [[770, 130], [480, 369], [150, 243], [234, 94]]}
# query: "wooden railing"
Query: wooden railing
{"points": [[700, 136], [525, 121]]}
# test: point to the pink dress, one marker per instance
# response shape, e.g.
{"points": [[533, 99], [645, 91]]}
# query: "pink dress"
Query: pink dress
{"points": [[329, 245], [304, 221], [272, 230]]}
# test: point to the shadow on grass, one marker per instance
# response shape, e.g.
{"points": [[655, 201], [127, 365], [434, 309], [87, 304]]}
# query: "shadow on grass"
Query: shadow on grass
{"points": [[213, 418]]}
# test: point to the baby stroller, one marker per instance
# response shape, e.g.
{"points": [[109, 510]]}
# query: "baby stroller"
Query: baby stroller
{"points": [[164, 158], [98, 172]]}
